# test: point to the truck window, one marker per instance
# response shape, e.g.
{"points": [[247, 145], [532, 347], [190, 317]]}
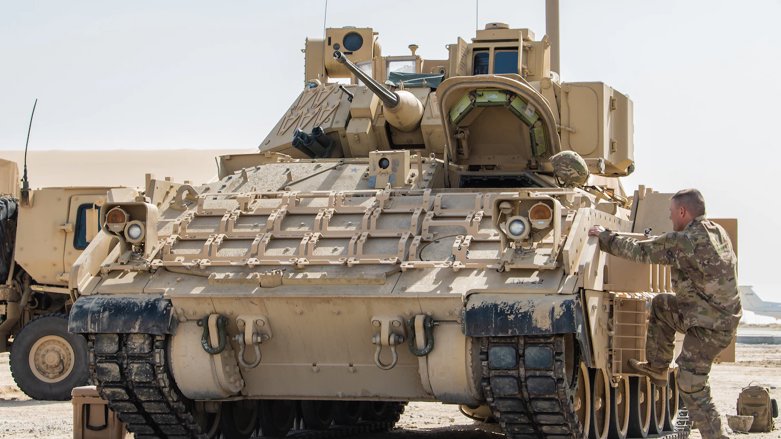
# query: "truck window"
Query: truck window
{"points": [[480, 64], [87, 225], [506, 61]]}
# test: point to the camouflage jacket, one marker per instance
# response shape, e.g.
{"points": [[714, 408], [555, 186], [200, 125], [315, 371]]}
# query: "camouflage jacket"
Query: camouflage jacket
{"points": [[703, 266]]}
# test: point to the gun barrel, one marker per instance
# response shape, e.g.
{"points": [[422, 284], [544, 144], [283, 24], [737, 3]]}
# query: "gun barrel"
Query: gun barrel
{"points": [[388, 98]]}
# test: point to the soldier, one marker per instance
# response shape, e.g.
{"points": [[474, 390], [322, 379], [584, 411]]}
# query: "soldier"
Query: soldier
{"points": [[705, 307]]}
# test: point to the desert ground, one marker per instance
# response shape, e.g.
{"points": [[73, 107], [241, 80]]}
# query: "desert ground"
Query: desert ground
{"points": [[21, 417]]}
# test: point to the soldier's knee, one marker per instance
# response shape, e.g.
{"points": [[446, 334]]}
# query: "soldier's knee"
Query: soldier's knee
{"points": [[690, 382], [661, 301], [661, 304]]}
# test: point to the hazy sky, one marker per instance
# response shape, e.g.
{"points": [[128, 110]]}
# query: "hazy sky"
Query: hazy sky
{"points": [[703, 75]]}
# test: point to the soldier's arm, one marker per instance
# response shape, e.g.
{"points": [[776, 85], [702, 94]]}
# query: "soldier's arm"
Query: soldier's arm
{"points": [[664, 249]]}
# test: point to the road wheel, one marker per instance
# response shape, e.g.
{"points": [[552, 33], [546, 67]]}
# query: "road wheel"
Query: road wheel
{"points": [[47, 361], [673, 403], [277, 417], [640, 403], [347, 412], [659, 408], [239, 419], [581, 401], [600, 404], [619, 409], [376, 410], [317, 415]]}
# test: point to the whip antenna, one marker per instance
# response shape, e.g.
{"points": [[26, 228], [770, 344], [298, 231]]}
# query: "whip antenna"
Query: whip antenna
{"points": [[477, 14], [25, 192], [325, 18]]}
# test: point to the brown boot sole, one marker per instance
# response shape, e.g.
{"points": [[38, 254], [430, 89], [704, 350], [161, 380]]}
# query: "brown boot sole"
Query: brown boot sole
{"points": [[657, 381]]}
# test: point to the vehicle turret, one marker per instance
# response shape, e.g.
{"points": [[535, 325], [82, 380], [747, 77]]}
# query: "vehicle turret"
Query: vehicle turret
{"points": [[402, 109], [495, 103]]}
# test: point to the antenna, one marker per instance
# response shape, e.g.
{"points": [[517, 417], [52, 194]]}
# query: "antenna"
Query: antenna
{"points": [[477, 14], [325, 18], [25, 191]]}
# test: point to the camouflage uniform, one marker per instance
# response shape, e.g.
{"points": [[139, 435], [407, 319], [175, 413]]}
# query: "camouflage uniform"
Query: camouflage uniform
{"points": [[706, 307], [570, 169]]}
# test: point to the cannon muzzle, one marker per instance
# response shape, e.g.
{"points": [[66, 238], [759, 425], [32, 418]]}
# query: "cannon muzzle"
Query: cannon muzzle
{"points": [[403, 110]]}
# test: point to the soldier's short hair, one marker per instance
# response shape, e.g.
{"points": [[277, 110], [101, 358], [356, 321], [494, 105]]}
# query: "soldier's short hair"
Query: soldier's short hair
{"points": [[692, 200]]}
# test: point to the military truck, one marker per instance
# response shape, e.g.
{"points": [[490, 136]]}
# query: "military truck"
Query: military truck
{"points": [[410, 230], [41, 235]]}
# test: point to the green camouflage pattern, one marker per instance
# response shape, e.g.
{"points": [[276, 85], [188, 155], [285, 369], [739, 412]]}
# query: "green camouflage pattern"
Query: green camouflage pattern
{"points": [[705, 307], [570, 169], [700, 348], [703, 269]]}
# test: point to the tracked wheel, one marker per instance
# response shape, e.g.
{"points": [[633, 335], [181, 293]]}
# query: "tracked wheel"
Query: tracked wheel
{"points": [[673, 403], [207, 418], [317, 415], [347, 412], [583, 398], [658, 409], [600, 404], [640, 407], [277, 417], [239, 419], [377, 410], [619, 410]]}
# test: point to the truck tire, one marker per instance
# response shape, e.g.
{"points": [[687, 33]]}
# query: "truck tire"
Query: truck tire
{"points": [[47, 361]]}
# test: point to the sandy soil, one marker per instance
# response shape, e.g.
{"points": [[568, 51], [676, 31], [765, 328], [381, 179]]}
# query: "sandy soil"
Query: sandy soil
{"points": [[22, 418]]}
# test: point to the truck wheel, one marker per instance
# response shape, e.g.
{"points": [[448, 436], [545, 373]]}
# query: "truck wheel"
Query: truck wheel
{"points": [[47, 361]]}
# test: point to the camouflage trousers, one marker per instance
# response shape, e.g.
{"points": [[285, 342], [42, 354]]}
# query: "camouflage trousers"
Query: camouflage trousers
{"points": [[700, 348]]}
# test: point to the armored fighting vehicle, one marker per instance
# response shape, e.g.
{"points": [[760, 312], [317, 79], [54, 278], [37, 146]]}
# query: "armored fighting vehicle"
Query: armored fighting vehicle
{"points": [[410, 230]]}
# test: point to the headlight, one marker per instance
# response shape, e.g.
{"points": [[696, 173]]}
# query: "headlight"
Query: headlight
{"points": [[540, 216], [517, 227], [134, 232], [116, 219]]}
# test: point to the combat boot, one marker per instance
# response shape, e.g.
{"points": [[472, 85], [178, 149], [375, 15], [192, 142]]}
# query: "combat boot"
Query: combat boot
{"points": [[658, 375]]}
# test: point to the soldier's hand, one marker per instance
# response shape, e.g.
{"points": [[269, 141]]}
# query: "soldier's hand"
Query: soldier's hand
{"points": [[595, 230]]}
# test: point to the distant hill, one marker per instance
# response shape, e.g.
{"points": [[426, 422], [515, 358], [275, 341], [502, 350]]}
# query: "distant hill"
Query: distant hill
{"points": [[116, 168]]}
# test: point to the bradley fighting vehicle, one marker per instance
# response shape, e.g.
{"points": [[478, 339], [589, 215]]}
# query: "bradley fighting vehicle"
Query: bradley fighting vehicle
{"points": [[410, 230]]}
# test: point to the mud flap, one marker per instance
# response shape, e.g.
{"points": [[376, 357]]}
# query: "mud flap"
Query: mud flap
{"points": [[121, 315], [513, 315]]}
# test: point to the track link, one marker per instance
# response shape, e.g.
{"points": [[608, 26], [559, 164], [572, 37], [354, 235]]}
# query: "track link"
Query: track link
{"points": [[131, 373], [526, 384]]}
